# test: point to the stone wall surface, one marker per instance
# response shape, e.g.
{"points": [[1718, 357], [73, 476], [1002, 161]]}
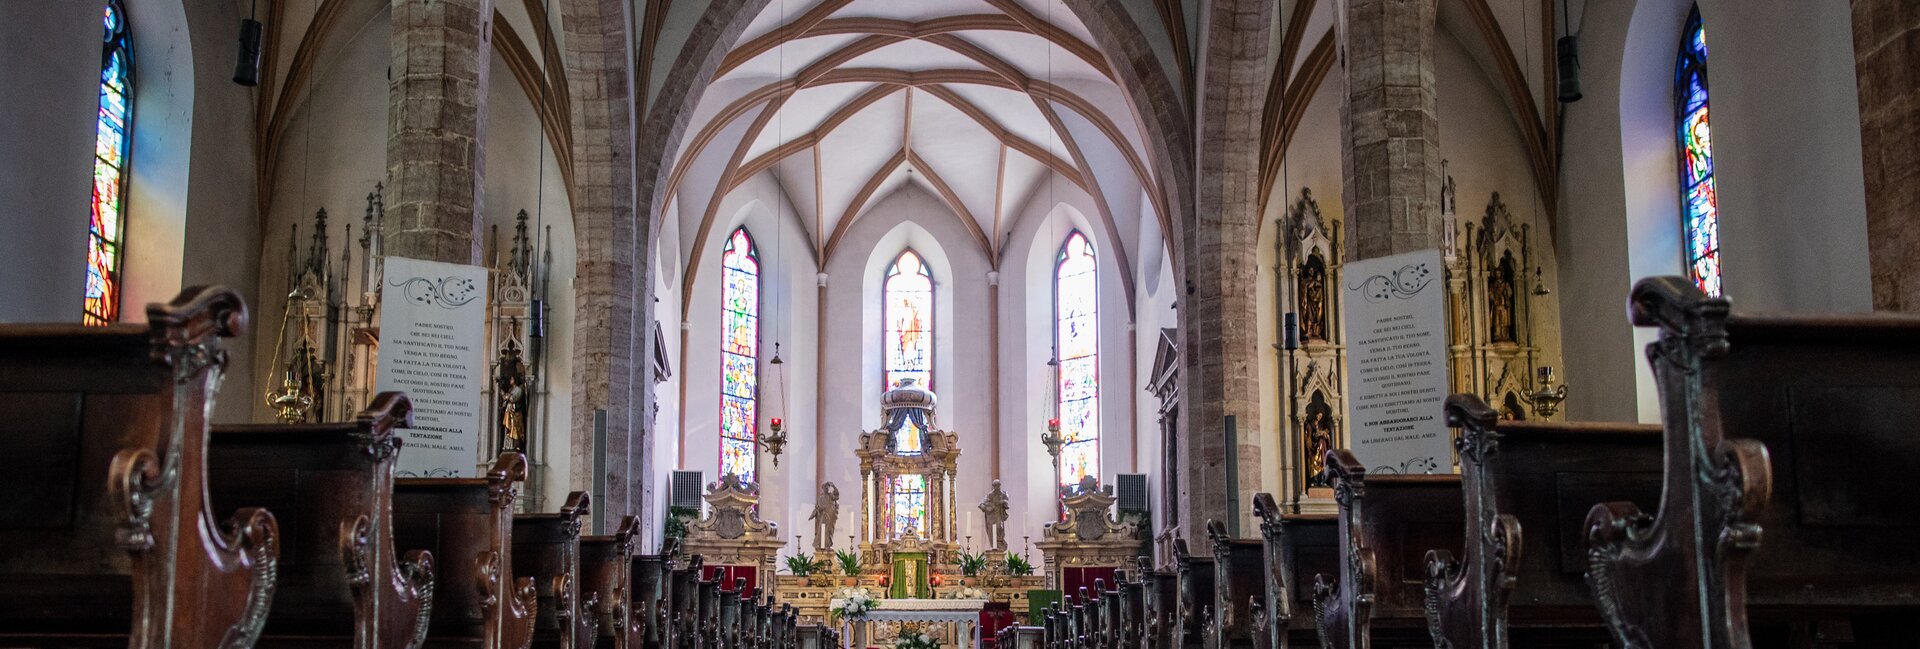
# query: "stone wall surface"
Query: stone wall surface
{"points": [[1886, 50]]}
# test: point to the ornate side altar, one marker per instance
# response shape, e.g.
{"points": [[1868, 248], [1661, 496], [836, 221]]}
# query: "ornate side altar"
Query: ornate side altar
{"points": [[731, 538], [1090, 544]]}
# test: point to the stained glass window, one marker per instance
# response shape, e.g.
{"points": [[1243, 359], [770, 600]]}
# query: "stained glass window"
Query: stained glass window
{"points": [[112, 134], [1077, 341], [908, 341], [739, 355], [1700, 203], [907, 504]]}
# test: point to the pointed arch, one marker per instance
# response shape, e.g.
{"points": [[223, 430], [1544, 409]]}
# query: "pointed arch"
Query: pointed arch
{"points": [[1076, 339], [740, 356]]}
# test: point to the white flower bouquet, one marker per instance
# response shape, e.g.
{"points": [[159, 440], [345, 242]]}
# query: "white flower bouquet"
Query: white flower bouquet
{"points": [[968, 592], [915, 640], [854, 603]]}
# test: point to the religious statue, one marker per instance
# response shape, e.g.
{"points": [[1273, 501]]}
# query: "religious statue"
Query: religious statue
{"points": [[994, 508], [1500, 304], [1313, 299], [1318, 434], [511, 382], [826, 513]]}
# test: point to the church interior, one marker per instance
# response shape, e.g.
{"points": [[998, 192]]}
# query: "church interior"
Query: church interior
{"points": [[910, 324]]}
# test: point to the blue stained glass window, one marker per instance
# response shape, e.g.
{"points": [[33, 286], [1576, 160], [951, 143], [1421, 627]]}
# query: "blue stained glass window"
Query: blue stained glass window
{"points": [[907, 505], [739, 355], [113, 133], [1077, 341], [1699, 201]]}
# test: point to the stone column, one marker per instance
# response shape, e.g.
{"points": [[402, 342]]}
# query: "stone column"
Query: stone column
{"points": [[1219, 315], [1886, 54], [436, 116], [1391, 161]]}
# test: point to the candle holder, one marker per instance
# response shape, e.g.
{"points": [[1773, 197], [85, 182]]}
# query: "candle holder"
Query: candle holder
{"points": [[1052, 439], [1546, 397]]}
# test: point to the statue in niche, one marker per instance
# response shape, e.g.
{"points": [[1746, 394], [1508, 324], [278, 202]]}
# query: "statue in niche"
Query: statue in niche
{"points": [[1510, 409], [1500, 302], [510, 382], [826, 514], [1313, 299], [994, 509], [1317, 438]]}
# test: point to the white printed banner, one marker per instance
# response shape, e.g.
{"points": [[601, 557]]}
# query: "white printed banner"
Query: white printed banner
{"points": [[1396, 332], [432, 347]]}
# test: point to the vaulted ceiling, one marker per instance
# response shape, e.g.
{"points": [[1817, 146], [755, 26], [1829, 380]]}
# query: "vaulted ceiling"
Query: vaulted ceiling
{"points": [[977, 102]]}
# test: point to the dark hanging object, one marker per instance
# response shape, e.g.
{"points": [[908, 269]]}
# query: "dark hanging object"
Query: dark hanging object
{"points": [[246, 71], [1569, 48]]}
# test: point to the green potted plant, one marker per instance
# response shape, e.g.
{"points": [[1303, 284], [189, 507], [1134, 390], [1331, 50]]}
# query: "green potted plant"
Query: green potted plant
{"points": [[849, 566], [971, 565], [1017, 565]]}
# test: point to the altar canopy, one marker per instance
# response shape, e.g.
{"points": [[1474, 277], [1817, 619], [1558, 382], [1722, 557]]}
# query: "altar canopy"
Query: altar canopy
{"points": [[907, 502]]}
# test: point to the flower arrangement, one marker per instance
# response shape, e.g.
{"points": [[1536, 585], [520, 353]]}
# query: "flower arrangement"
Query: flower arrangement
{"points": [[1017, 565], [854, 603], [915, 640], [968, 592]]}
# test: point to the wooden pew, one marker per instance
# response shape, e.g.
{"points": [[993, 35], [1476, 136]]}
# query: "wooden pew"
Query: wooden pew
{"points": [[707, 616], [605, 565], [1106, 614], [1162, 604], [467, 523], [546, 546], [729, 616], [652, 597], [1293, 548], [1132, 614], [1051, 625], [341, 577], [1788, 483], [1079, 626], [1194, 601], [108, 533], [687, 600], [1238, 589], [1527, 487], [1387, 522]]}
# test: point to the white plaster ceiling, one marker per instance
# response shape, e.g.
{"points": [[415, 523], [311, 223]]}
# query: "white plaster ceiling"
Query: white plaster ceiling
{"points": [[845, 101]]}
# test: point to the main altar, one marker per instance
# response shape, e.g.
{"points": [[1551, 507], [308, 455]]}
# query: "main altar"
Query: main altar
{"points": [[905, 551]]}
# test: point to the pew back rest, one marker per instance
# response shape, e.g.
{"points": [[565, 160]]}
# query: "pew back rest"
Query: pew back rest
{"points": [[1402, 517]]}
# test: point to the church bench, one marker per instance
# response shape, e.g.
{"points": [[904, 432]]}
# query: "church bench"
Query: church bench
{"points": [[1132, 613], [605, 561], [1293, 547], [1527, 487], [1081, 620], [1194, 598], [1162, 607], [1107, 613], [467, 524], [1387, 523], [546, 546], [1238, 589], [1788, 460], [108, 535], [652, 578], [1053, 625], [341, 577], [684, 614], [707, 615], [729, 616]]}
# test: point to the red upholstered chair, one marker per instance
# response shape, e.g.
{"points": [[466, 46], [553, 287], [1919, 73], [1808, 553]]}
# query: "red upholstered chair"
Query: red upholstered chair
{"points": [[993, 618]]}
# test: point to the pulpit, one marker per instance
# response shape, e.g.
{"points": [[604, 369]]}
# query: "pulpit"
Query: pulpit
{"points": [[1090, 544], [732, 539], [907, 470]]}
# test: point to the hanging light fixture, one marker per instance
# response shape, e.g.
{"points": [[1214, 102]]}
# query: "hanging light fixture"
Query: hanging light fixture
{"points": [[246, 67], [1569, 50], [776, 438]]}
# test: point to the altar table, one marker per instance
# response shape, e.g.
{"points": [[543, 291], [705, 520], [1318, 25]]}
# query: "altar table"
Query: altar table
{"points": [[915, 610]]}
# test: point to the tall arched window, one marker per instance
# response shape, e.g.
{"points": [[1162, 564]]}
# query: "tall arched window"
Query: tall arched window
{"points": [[112, 134], [1700, 204], [739, 355], [1076, 339], [908, 338]]}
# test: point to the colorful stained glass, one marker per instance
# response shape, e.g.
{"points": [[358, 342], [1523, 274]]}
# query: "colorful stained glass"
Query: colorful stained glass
{"points": [[1700, 203], [1077, 342], [111, 139], [739, 356], [907, 505], [908, 314], [908, 440]]}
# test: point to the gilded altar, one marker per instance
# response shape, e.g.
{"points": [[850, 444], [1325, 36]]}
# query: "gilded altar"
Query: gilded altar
{"points": [[1090, 543], [730, 537]]}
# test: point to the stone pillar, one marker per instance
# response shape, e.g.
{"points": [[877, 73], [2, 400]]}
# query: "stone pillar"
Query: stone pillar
{"points": [[1391, 162], [436, 115], [1886, 53], [1219, 316]]}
